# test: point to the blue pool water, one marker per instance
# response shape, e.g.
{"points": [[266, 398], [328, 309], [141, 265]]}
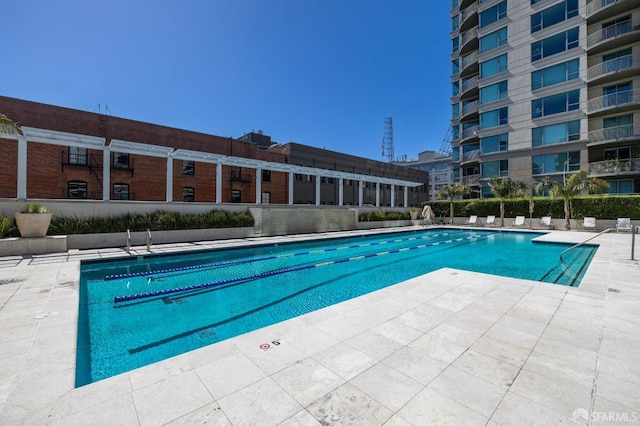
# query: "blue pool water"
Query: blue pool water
{"points": [[137, 311]]}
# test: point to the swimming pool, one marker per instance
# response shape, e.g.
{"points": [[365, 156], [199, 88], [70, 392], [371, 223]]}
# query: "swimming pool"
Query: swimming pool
{"points": [[137, 311]]}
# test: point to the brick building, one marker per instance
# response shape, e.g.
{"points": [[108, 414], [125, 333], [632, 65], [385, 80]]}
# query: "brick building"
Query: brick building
{"points": [[71, 154]]}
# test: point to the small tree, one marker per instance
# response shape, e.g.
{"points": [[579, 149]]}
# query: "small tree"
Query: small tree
{"points": [[504, 188], [451, 192], [9, 126], [575, 184]]}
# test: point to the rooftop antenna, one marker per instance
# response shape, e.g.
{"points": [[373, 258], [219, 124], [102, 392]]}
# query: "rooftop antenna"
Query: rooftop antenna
{"points": [[387, 141]]}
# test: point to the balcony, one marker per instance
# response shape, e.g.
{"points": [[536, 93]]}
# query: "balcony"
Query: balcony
{"points": [[615, 167], [469, 18], [466, 3], [471, 156], [469, 88], [470, 133], [470, 108], [614, 102], [471, 180], [614, 69], [598, 10], [469, 41], [469, 65], [612, 37], [613, 134]]}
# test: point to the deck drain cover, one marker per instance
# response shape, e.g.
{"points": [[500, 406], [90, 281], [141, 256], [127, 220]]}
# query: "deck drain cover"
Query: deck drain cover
{"points": [[613, 290]]}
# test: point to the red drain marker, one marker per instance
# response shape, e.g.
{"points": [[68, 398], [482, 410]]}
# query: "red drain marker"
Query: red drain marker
{"points": [[265, 346]]}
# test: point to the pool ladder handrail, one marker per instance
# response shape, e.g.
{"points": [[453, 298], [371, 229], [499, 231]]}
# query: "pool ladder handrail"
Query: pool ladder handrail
{"points": [[149, 240], [581, 243], [128, 248]]}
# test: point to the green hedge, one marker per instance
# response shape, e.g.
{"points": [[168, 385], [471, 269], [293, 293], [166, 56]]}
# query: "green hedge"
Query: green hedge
{"points": [[156, 221], [381, 215], [601, 207]]}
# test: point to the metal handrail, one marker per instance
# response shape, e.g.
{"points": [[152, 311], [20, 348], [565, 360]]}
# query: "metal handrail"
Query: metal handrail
{"points": [[128, 248], [581, 243], [149, 240]]}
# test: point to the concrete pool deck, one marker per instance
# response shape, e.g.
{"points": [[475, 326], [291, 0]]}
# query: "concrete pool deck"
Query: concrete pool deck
{"points": [[448, 347]]}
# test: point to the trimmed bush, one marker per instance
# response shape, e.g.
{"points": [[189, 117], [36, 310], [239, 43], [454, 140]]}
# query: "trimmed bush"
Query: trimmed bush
{"points": [[381, 215], [602, 207]]}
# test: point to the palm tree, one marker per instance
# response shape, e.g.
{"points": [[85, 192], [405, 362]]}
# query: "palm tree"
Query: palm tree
{"points": [[575, 184], [451, 192], [504, 188], [9, 126]]}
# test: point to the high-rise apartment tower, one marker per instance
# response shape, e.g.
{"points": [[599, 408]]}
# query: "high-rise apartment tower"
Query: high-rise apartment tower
{"points": [[542, 88]]}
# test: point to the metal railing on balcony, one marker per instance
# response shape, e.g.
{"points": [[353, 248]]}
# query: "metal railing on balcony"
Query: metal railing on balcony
{"points": [[470, 108], [607, 33], [613, 134], [614, 167], [471, 156], [597, 5], [471, 179], [467, 13], [613, 100], [613, 66], [468, 36], [470, 132], [469, 84]]}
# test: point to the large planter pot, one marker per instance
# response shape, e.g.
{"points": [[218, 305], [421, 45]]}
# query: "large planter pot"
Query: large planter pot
{"points": [[33, 225]]}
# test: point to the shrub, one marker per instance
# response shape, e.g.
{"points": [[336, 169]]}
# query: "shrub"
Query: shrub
{"points": [[35, 208], [156, 221], [6, 226], [380, 215]]}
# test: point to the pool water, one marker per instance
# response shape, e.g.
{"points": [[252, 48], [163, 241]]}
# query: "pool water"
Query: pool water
{"points": [[137, 311]]}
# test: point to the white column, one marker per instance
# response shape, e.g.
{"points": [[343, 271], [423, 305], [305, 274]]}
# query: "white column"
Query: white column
{"points": [[258, 186], [377, 194], [393, 195], [170, 179], [291, 175], [106, 173], [341, 192], [406, 196], [22, 168], [219, 183], [360, 191], [317, 190]]}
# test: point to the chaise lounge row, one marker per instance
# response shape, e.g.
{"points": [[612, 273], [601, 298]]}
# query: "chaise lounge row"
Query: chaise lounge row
{"points": [[588, 223]]}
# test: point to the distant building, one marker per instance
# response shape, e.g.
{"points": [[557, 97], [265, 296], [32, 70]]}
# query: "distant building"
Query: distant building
{"points": [[70, 154], [437, 165]]}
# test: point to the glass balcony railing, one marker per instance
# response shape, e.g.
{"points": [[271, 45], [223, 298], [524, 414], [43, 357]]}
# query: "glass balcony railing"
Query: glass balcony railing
{"points": [[613, 66], [615, 166], [471, 179], [608, 33], [471, 156], [613, 100], [612, 134]]}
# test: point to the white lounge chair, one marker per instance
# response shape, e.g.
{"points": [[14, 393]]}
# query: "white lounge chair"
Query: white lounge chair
{"points": [[491, 220], [589, 223], [472, 220], [519, 221], [623, 224], [545, 221]]}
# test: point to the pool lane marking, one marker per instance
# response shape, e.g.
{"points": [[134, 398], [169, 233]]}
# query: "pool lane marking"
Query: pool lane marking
{"points": [[164, 292], [261, 259]]}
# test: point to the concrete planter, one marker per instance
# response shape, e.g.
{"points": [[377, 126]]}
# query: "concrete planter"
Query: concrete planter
{"points": [[33, 225]]}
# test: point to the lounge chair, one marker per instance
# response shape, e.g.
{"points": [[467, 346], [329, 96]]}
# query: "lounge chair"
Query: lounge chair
{"points": [[519, 221], [624, 224], [589, 223], [472, 220], [491, 220], [545, 221]]}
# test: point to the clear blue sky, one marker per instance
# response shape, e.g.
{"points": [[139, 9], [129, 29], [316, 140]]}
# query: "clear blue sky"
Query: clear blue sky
{"points": [[323, 73]]}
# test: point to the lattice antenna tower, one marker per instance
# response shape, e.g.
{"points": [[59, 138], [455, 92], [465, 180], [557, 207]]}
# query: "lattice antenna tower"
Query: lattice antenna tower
{"points": [[387, 141], [445, 147]]}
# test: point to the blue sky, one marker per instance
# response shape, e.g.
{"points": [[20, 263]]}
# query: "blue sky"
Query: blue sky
{"points": [[323, 73]]}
